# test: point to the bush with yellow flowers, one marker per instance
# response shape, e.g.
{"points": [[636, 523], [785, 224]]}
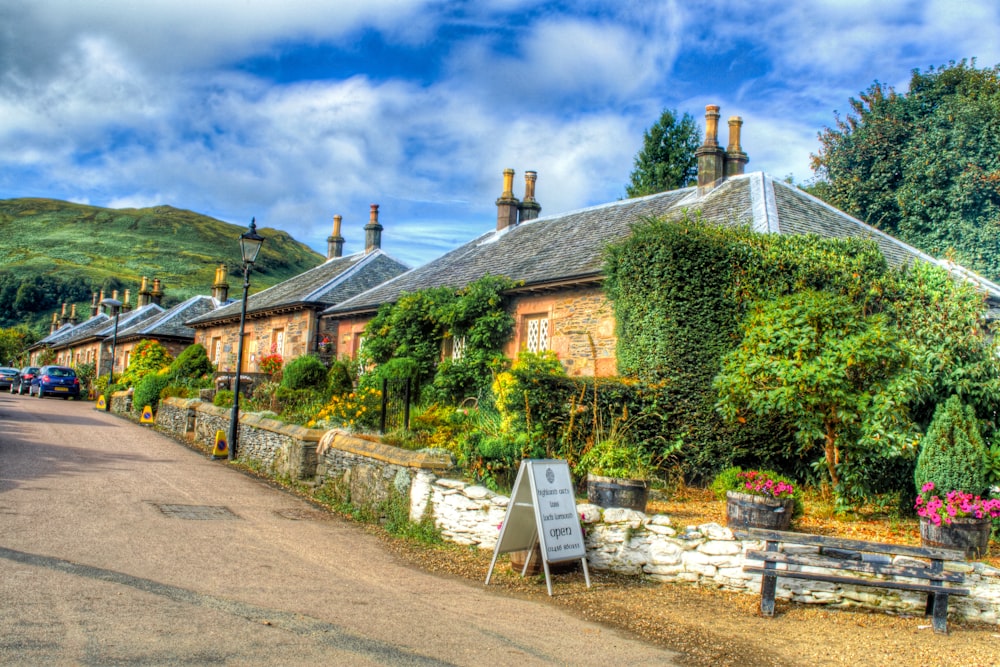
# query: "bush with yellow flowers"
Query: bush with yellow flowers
{"points": [[357, 410]]}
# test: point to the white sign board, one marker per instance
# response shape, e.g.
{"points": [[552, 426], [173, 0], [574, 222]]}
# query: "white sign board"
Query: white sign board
{"points": [[542, 509]]}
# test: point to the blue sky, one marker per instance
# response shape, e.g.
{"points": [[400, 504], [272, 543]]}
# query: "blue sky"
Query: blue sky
{"points": [[295, 110]]}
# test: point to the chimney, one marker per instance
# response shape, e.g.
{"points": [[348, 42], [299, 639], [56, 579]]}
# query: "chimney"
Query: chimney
{"points": [[55, 323], [335, 242], [99, 302], [126, 306], [711, 158], [736, 159], [157, 293], [220, 288], [529, 208], [94, 308], [507, 203], [143, 299], [63, 318], [373, 231], [72, 315]]}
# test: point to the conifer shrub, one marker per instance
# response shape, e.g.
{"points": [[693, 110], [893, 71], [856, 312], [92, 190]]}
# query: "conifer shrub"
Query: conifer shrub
{"points": [[338, 379], [953, 454], [306, 372], [192, 363]]}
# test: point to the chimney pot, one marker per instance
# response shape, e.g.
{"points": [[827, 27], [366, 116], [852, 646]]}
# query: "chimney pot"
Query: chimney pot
{"points": [[736, 159], [711, 158], [528, 208], [220, 288], [335, 242], [507, 204], [373, 231]]}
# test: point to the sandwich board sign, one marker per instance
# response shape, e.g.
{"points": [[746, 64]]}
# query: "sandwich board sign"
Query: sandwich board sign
{"points": [[542, 510]]}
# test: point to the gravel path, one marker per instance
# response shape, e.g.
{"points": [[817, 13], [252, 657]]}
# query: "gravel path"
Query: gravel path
{"points": [[718, 628]]}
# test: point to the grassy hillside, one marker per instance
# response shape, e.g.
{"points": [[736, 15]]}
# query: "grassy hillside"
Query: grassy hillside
{"points": [[51, 251]]}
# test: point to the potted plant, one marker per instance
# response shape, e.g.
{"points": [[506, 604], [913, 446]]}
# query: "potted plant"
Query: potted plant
{"points": [[618, 474], [757, 498], [958, 521], [952, 462]]}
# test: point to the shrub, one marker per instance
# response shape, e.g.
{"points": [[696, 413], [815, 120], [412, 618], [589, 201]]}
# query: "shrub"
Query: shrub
{"points": [[338, 379], [147, 391], [147, 357], [355, 410], [306, 372], [192, 363], [953, 454], [223, 398]]}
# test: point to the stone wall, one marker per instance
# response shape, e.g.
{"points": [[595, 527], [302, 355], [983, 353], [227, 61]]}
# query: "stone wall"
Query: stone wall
{"points": [[618, 540]]}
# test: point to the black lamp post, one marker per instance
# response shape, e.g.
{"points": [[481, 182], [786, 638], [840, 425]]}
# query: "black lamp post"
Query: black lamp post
{"points": [[250, 243], [116, 308]]}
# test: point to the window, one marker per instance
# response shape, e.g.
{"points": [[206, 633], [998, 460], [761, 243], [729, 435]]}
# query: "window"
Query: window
{"points": [[454, 348], [536, 330], [278, 342], [216, 350]]}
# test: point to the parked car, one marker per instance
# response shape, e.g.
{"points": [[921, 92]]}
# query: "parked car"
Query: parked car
{"points": [[7, 377], [55, 381], [22, 383]]}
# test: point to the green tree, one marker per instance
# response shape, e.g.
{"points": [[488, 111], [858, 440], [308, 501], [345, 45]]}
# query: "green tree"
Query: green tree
{"points": [[815, 359], [922, 165], [147, 357], [667, 160], [13, 342]]}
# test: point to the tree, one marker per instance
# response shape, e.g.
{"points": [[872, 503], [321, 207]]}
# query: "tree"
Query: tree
{"points": [[667, 160], [815, 359], [922, 165]]}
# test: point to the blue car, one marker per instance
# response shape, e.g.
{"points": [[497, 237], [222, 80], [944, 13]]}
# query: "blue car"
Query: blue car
{"points": [[55, 381]]}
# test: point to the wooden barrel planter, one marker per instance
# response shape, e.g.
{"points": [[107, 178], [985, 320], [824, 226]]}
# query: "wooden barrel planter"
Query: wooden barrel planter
{"points": [[968, 534], [744, 510], [614, 492]]}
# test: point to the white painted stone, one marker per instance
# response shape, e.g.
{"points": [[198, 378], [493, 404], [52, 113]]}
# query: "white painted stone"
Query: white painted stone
{"points": [[716, 547], [660, 530], [589, 513], [714, 531], [477, 492], [659, 520], [453, 484], [459, 501], [622, 515]]}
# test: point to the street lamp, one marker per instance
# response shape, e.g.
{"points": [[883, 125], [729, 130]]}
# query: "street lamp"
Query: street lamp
{"points": [[250, 243], [116, 308]]}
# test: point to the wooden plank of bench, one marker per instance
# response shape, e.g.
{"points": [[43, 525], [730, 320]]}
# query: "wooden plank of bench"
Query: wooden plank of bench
{"points": [[857, 581], [848, 544], [817, 560]]}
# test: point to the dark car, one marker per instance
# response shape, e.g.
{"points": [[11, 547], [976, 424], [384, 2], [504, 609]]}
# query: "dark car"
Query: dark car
{"points": [[7, 377], [55, 381], [22, 383]]}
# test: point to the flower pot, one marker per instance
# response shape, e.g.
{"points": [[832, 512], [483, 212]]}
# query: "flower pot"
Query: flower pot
{"points": [[614, 492], [744, 510], [967, 534]]}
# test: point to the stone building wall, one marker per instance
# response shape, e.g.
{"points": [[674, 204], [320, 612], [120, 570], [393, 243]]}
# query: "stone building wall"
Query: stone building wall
{"points": [[298, 328]]}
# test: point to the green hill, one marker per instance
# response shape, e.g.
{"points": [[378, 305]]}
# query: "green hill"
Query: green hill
{"points": [[54, 251]]}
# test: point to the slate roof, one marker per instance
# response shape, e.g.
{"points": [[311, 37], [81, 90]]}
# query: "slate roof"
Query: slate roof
{"points": [[171, 323], [329, 283], [568, 247], [100, 326]]}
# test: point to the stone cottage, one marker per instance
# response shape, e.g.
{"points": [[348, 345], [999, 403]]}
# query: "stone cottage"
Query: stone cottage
{"points": [[284, 319], [561, 305]]}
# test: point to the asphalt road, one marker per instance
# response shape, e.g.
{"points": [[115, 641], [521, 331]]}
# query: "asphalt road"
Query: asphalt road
{"points": [[120, 546]]}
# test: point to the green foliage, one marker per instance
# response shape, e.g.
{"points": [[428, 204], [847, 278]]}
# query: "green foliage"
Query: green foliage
{"points": [[147, 391], [148, 356], [417, 325], [223, 398], [297, 406], [192, 363], [305, 372], [921, 165], [814, 359], [57, 252], [13, 343], [667, 160], [358, 410], [953, 455], [85, 371], [338, 379]]}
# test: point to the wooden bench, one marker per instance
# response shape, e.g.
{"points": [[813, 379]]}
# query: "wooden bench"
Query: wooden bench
{"points": [[867, 564]]}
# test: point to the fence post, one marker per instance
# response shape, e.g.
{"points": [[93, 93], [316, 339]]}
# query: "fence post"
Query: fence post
{"points": [[406, 404], [385, 405]]}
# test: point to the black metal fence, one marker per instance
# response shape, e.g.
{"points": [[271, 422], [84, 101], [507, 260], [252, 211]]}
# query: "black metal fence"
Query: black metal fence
{"points": [[396, 395]]}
